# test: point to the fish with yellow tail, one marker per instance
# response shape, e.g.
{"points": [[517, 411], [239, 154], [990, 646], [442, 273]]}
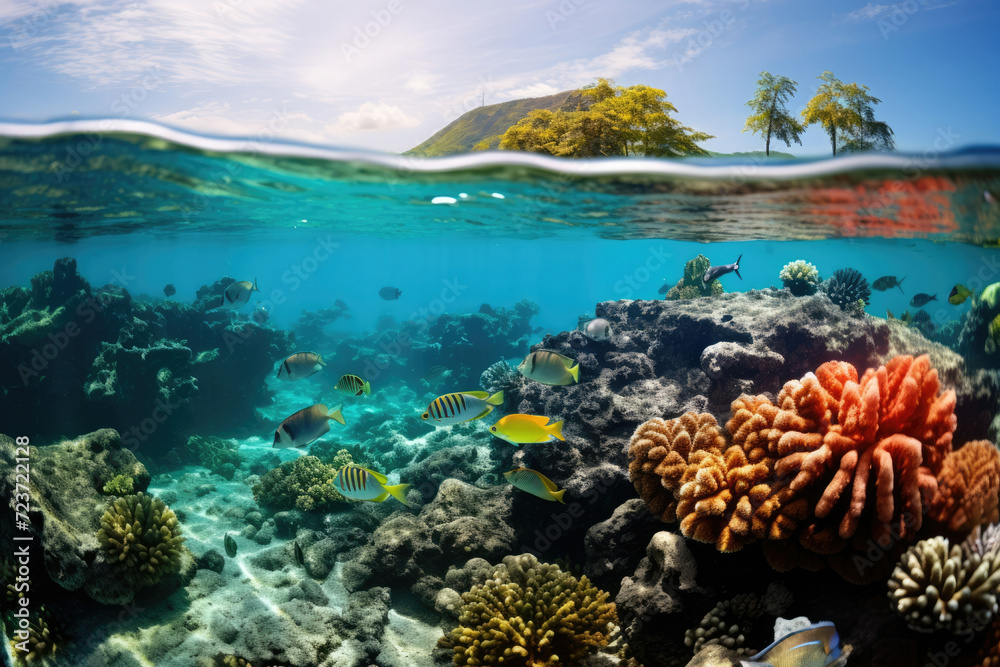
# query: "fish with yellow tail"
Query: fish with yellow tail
{"points": [[535, 483], [305, 426], [524, 429], [357, 483], [352, 385], [238, 294], [462, 406], [548, 367], [959, 293], [815, 646], [300, 365]]}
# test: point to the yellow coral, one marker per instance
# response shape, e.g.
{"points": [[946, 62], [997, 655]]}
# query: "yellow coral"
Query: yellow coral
{"points": [[530, 613], [141, 533]]}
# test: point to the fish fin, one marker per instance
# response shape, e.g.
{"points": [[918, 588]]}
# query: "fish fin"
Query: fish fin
{"points": [[488, 410], [367, 388], [536, 419], [255, 285], [475, 394], [495, 399], [556, 430], [558, 495], [379, 477], [319, 357], [900, 285], [338, 415], [399, 492], [381, 498], [737, 272], [575, 372], [934, 298]]}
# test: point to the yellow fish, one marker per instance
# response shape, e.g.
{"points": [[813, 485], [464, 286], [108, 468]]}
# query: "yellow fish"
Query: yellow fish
{"points": [[959, 293], [461, 407], [534, 483], [353, 481], [550, 367], [523, 429]]}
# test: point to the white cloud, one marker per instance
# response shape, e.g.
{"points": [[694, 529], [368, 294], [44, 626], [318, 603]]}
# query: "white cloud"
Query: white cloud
{"points": [[534, 90], [371, 116], [869, 12], [421, 82]]}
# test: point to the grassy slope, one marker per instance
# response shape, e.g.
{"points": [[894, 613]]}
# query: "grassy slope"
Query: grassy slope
{"points": [[488, 122]]}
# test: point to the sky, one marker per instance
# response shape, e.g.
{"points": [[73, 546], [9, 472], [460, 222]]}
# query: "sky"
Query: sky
{"points": [[387, 74]]}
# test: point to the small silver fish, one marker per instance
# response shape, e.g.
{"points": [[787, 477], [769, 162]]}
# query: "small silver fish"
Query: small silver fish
{"points": [[721, 270], [230, 545], [598, 329]]}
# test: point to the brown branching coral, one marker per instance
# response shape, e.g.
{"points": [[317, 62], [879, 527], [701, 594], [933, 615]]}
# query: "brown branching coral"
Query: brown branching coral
{"points": [[141, 534], [934, 587], [529, 613], [967, 487]]}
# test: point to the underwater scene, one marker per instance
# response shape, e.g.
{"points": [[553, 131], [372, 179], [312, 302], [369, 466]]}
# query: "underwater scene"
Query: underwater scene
{"points": [[276, 405]]}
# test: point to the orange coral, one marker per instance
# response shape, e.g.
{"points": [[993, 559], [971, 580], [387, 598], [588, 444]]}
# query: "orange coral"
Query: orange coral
{"points": [[967, 487], [683, 470]]}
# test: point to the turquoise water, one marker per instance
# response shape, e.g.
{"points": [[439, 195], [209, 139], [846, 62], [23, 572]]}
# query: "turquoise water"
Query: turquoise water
{"points": [[319, 229]]}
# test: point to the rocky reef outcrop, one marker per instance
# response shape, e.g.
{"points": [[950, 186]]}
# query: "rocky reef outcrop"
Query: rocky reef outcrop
{"points": [[66, 505], [155, 371]]}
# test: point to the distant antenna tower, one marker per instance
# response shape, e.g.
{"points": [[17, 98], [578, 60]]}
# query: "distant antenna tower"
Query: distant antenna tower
{"points": [[484, 99]]}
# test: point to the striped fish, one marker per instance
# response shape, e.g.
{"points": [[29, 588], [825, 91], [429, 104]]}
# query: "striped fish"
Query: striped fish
{"points": [[461, 407], [237, 294], [353, 481], [305, 426], [535, 483], [300, 365], [550, 368], [352, 385]]}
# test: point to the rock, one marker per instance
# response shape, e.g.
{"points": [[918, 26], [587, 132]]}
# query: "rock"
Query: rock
{"points": [[715, 655], [255, 519], [286, 523], [614, 547], [265, 534], [66, 509], [211, 560], [656, 588]]}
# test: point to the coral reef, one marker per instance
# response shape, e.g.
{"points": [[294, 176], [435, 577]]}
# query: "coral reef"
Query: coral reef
{"points": [[140, 532], [977, 339], [530, 613], [120, 485], [800, 277], [303, 484], [729, 622], [45, 639], [218, 455], [934, 587], [967, 487], [67, 503], [848, 289], [500, 376], [691, 285], [157, 371], [667, 571]]}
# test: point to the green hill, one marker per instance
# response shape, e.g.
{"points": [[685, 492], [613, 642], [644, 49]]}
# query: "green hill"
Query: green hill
{"points": [[489, 123]]}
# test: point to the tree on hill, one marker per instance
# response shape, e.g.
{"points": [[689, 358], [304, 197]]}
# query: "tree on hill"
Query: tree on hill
{"points": [[612, 121], [846, 112], [770, 117]]}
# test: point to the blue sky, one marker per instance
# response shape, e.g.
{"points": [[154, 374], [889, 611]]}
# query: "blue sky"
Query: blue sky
{"points": [[306, 70]]}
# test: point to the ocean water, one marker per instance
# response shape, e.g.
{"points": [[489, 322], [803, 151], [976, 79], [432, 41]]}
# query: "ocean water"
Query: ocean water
{"points": [[143, 208]]}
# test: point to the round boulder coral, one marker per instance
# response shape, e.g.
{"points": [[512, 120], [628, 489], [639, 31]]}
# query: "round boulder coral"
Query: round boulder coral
{"points": [[800, 277], [142, 535], [530, 613], [937, 588]]}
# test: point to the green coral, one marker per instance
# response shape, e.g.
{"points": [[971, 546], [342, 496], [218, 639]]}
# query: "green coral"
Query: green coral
{"points": [[691, 285], [143, 536], [220, 456], [800, 277], [530, 613], [121, 485], [43, 642], [304, 484], [994, 335], [991, 295]]}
